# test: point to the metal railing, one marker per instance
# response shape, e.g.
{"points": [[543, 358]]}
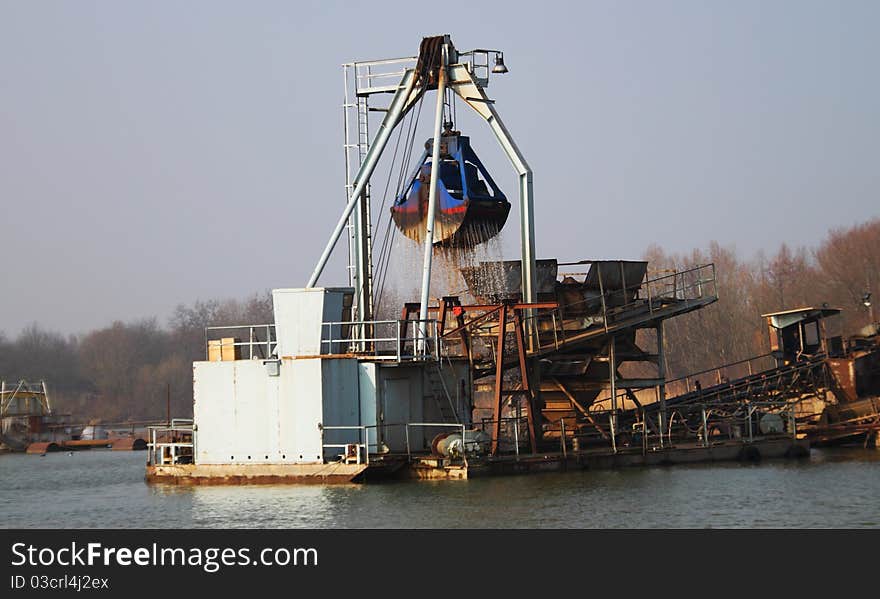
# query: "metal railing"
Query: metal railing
{"points": [[378, 76], [723, 373], [612, 306], [172, 444], [691, 284], [382, 76], [260, 343], [702, 425], [680, 285], [362, 453], [774, 383], [737, 420], [397, 340], [478, 63], [509, 437], [694, 425], [363, 445]]}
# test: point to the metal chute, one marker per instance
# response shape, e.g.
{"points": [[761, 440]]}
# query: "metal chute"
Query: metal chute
{"points": [[471, 208]]}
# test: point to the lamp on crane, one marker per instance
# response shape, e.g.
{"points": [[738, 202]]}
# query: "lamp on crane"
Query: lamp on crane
{"points": [[499, 67]]}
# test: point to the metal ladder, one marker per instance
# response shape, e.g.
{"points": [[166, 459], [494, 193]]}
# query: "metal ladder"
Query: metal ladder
{"points": [[356, 144], [347, 147], [363, 119]]}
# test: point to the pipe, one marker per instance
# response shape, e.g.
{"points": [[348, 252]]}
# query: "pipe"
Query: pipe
{"points": [[612, 373], [432, 202], [526, 204], [466, 87], [661, 372]]}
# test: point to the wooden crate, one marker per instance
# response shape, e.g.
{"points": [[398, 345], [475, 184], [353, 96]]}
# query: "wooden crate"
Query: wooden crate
{"points": [[223, 350]]}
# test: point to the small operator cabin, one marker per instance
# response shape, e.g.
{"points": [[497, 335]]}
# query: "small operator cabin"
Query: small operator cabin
{"points": [[803, 333]]}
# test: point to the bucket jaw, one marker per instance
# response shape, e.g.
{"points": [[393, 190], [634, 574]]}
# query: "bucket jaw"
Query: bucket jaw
{"points": [[471, 209]]}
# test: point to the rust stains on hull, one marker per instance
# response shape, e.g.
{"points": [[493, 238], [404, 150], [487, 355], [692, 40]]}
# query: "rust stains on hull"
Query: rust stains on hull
{"points": [[269, 474]]}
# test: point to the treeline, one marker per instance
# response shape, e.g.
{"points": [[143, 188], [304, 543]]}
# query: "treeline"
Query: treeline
{"points": [[123, 371], [839, 272]]}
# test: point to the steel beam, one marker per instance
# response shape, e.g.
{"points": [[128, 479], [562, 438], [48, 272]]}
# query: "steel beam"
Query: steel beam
{"points": [[612, 375], [661, 374], [401, 103], [432, 200], [463, 83], [524, 375], [499, 378]]}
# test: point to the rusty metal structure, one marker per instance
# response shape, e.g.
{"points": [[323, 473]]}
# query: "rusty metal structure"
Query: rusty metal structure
{"points": [[831, 384], [25, 414], [586, 329]]}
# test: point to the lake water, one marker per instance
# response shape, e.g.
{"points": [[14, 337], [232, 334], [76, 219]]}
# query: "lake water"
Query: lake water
{"points": [[104, 489]]}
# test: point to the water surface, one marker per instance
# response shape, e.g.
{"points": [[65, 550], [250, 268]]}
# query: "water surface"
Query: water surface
{"points": [[106, 489]]}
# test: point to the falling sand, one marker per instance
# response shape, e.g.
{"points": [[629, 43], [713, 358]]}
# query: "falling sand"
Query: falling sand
{"points": [[403, 280]]}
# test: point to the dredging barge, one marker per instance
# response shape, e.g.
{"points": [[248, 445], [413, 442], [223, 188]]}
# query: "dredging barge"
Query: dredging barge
{"points": [[450, 389]]}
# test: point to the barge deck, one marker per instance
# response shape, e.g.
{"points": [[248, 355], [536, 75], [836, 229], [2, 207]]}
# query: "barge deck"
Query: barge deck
{"points": [[433, 467]]}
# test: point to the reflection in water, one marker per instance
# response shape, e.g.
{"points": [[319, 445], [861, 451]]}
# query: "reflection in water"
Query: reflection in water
{"points": [[833, 488], [267, 506]]}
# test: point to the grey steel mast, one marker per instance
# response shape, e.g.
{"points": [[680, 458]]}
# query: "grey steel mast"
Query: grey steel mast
{"points": [[462, 71]]}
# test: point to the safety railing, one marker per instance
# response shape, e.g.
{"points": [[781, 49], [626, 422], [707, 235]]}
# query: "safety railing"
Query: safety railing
{"points": [[383, 76], [358, 451], [378, 76], [744, 421], [479, 64], [775, 383], [695, 425], [610, 306], [361, 449], [171, 444], [691, 284], [228, 342], [606, 431], [719, 375], [513, 433], [396, 340]]}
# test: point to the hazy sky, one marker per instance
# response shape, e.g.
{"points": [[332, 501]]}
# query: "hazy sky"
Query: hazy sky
{"points": [[155, 153]]}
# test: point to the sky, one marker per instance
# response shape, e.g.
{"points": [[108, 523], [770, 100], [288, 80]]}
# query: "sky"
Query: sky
{"points": [[157, 153]]}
